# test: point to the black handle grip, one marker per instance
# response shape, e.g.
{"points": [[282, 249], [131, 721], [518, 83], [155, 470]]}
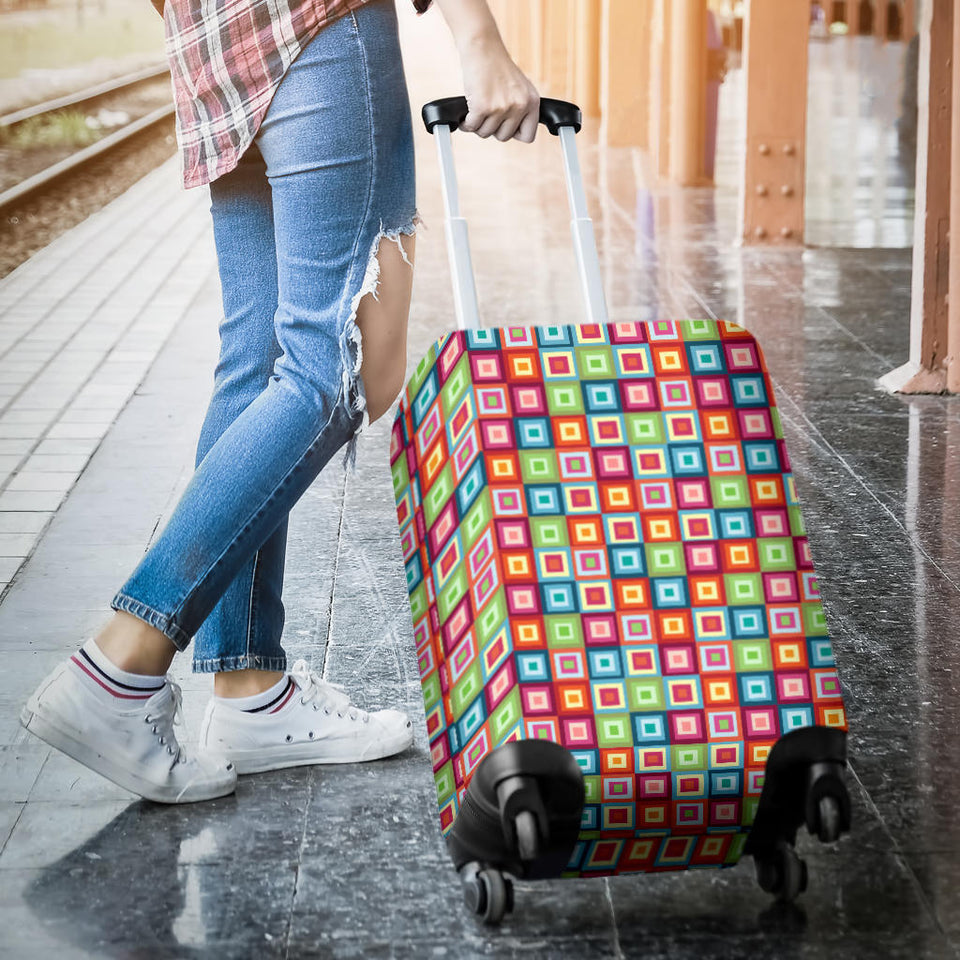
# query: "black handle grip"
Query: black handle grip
{"points": [[452, 111]]}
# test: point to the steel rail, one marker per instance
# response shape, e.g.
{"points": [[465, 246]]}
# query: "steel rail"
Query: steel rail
{"points": [[76, 160], [95, 92]]}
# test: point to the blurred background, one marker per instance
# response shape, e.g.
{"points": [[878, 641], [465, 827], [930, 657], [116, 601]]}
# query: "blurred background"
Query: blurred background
{"points": [[835, 82]]}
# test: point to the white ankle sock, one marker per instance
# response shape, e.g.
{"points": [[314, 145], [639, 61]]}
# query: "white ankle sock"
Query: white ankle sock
{"points": [[108, 681], [269, 701]]}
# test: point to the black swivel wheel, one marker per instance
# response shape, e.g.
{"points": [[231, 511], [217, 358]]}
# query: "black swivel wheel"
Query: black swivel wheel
{"points": [[827, 804], [828, 819], [528, 836], [782, 873], [498, 896], [488, 895], [474, 896]]}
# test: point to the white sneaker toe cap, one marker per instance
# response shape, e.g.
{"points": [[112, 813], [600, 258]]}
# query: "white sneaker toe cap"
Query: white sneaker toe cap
{"points": [[394, 732], [206, 776]]}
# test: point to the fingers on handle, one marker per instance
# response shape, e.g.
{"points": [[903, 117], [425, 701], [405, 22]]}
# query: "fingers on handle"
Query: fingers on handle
{"points": [[490, 125], [527, 131]]}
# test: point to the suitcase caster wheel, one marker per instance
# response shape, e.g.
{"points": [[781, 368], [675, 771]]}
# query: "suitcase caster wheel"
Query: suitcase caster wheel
{"points": [[528, 836], [828, 819], [827, 805], [782, 873], [489, 896]]}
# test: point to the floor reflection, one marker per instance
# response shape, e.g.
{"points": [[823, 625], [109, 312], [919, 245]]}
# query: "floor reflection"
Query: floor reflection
{"points": [[160, 881], [861, 147]]}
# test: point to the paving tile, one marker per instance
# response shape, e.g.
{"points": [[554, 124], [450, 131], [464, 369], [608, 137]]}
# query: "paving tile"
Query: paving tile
{"points": [[19, 768], [21, 431], [16, 544], [14, 415], [23, 521], [54, 463], [98, 415], [23, 500], [43, 480], [9, 814], [68, 445], [62, 780], [9, 566], [14, 446], [45, 832], [79, 431]]}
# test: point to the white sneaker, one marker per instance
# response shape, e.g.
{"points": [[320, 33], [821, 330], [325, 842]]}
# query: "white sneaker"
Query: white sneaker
{"points": [[316, 723], [134, 746]]}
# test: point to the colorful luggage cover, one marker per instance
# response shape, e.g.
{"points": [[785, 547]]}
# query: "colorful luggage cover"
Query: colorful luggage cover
{"points": [[604, 548]]}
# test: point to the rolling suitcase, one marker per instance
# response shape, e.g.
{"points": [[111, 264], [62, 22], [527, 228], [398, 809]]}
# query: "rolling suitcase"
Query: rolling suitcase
{"points": [[624, 658]]}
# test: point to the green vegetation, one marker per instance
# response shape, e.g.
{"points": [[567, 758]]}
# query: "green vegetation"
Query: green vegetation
{"points": [[65, 128]]}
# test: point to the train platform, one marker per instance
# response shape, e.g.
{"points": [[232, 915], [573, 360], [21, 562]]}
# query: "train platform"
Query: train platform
{"points": [[109, 341]]}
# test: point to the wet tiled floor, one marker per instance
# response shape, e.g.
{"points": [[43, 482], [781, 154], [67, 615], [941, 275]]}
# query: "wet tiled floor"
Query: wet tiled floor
{"points": [[347, 862]]}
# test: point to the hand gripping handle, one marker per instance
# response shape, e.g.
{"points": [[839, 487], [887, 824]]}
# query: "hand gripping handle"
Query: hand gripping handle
{"points": [[452, 111], [561, 119]]}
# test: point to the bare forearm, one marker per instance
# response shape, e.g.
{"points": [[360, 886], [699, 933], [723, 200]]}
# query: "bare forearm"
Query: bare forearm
{"points": [[470, 22], [501, 99]]}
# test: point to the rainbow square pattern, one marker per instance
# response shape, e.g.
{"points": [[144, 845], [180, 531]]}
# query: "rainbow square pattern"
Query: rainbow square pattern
{"points": [[604, 548]]}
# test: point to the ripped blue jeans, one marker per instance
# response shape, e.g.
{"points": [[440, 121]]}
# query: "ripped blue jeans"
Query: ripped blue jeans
{"points": [[297, 225]]}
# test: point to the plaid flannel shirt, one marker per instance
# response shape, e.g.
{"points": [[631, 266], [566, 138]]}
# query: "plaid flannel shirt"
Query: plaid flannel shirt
{"points": [[227, 58]]}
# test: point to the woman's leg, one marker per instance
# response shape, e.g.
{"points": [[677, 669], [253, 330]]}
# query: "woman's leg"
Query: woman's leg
{"points": [[243, 631], [383, 325], [240, 640], [244, 628], [340, 167]]}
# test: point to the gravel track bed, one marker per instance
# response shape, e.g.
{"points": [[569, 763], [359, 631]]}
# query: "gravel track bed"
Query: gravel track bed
{"points": [[17, 163], [43, 217]]}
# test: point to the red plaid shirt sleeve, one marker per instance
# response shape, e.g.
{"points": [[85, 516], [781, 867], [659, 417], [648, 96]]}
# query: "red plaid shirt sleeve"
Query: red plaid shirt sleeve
{"points": [[227, 58]]}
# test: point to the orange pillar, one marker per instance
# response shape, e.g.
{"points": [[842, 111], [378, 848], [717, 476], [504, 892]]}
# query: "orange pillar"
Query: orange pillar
{"points": [[623, 82], [881, 12], [775, 60], [587, 34], [909, 20], [501, 10], [688, 88], [528, 44], [933, 332], [660, 102], [953, 316], [555, 15]]}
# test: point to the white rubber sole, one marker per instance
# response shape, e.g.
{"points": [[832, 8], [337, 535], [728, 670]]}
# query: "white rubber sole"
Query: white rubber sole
{"points": [[50, 732], [280, 756]]}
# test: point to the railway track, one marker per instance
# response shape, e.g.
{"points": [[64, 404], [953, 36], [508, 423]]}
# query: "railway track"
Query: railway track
{"points": [[37, 182]]}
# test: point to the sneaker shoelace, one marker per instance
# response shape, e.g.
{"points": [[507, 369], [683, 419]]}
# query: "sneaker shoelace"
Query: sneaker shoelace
{"points": [[330, 697], [163, 719]]}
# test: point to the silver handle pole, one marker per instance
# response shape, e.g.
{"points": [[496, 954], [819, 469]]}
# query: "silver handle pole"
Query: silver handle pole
{"points": [[581, 227], [458, 241]]}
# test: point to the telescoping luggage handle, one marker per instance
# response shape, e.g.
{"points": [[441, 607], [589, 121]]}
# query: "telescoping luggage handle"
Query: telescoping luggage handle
{"points": [[561, 119]]}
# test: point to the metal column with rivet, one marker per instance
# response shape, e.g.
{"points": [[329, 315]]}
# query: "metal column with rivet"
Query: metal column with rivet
{"points": [[932, 336], [775, 58]]}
